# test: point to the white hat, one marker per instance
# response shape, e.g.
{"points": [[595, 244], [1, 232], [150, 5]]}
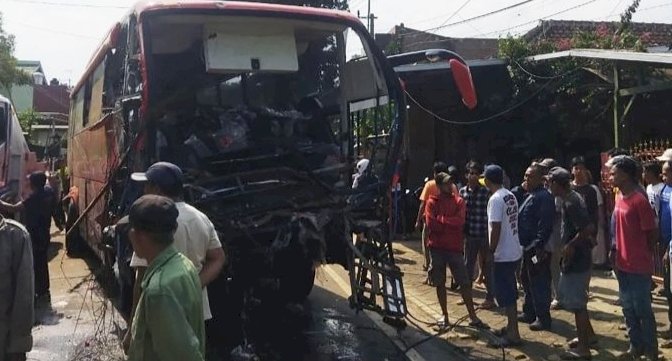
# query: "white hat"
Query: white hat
{"points": [[362, 165], [667, 155]]}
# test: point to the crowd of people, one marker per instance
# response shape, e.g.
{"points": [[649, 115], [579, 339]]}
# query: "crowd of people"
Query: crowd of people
{"points": [[546, 236]]}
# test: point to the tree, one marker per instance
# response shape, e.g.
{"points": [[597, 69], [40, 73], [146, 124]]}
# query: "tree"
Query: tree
{"points": [[27, 119], [9, 74]]}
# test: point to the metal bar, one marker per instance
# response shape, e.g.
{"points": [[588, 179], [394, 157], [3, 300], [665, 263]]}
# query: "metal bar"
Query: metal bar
{"points": [[645, 89], [627, 108], [616, 122]]}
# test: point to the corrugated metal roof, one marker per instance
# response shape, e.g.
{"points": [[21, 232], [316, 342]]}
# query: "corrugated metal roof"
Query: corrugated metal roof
{"points": [[29, 66], [616, 55]]}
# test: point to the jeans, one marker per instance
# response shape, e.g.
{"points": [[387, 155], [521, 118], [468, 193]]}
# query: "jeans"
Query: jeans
{"points": [[472, 247], [635, 293], [536, 279], [668, 292]]}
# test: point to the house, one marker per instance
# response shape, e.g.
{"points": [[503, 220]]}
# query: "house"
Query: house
{"points": [[401, 39], [656, 37]]}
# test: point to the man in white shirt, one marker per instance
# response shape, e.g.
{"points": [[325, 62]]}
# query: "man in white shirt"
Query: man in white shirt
{"points": [[505, 246], [195, 236]]}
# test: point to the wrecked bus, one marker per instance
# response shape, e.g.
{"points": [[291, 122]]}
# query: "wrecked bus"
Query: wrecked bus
{"points": [[257, 104]]}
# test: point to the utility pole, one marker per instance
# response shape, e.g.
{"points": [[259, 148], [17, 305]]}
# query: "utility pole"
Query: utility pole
{"points": [[370, 19]]}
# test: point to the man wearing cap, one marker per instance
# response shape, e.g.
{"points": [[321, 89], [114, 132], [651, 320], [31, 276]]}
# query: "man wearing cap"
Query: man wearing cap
{"points": [[37, 208], [535, 225], [195, 236], [636, 235], [168, 322], [17, 294], [445, 217], [578, 233], [505, 246]]}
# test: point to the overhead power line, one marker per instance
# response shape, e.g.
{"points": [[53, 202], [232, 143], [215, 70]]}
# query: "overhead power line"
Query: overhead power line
{"points": [[455, 12], [542, 18], [51, 31], [66, 4], [490, 13]]}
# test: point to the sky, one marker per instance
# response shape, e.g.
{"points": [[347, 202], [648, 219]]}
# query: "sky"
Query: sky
{"points": [[63, 34]]}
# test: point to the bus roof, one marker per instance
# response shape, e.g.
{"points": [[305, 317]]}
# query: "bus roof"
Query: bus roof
{"points": [[150, 6]]}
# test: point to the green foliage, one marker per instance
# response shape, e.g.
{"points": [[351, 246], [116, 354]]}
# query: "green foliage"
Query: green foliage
{"points": [[27, 119], [9, 74], [577, 92]]}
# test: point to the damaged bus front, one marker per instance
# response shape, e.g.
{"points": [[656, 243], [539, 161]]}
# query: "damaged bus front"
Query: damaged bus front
{"points": [[256, 104]]}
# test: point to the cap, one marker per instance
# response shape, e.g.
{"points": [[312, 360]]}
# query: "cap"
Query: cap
{"points": [[548, 163], [494, 173], [152, 213], [559, 174], [163, 174], [578, 161], [442, 178], [667, 155]]}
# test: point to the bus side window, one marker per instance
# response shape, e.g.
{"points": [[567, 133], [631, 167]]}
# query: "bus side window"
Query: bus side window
{"points": [[3, 124]]}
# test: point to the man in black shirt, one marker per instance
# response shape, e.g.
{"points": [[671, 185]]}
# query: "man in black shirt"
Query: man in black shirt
{"points": [[37, 208], [581, 185], [577, 237]]}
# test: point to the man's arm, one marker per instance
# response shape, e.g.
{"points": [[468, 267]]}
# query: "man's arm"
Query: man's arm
{"points": [[421, 214], [546, 219], [214, 262], [137, 291], [458, 219], [495, 233], [173, 338]]}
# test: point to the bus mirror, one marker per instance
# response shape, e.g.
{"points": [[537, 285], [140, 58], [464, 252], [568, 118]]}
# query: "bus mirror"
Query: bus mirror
{"points": [[464, 82]]}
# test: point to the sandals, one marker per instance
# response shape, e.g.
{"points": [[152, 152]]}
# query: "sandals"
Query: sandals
{"points": [[487, 305], [478, 324], [575, 342], [504, 342], [574, 355]]}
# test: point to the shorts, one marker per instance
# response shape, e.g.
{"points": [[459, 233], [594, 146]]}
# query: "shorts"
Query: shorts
{"points": [[506, 286], [573, 290], [455, 260]]}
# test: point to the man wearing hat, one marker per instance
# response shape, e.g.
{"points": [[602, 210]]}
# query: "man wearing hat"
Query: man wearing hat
{"points": [[505, 246], [168, 322], [444, 219], [37, 208], [578, 239], [195, 236], [636, 235]]}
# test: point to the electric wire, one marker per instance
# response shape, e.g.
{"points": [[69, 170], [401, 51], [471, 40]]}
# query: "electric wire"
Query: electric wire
{"points": [[500, 10], [483, 120]]}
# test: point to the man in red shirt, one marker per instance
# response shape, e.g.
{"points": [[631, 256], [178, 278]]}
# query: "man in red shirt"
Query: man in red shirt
{"points": [[636, 236], [444, 219]]}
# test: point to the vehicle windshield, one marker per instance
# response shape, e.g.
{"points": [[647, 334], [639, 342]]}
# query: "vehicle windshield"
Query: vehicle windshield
{"points": [[235, 94]]}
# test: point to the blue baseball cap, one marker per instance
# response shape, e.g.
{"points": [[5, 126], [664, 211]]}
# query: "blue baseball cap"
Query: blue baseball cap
{"points": [[494, 174], [163, 174]]}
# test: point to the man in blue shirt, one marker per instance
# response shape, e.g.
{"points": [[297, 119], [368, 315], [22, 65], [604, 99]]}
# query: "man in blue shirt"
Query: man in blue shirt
{"points": [[665, 224], [535, 224]]}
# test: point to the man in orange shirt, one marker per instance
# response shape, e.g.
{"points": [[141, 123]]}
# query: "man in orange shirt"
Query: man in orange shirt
{"points": [[429, 190]]}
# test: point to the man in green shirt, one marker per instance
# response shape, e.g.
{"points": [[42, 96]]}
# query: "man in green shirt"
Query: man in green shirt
{"points": [[168, 323]]}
